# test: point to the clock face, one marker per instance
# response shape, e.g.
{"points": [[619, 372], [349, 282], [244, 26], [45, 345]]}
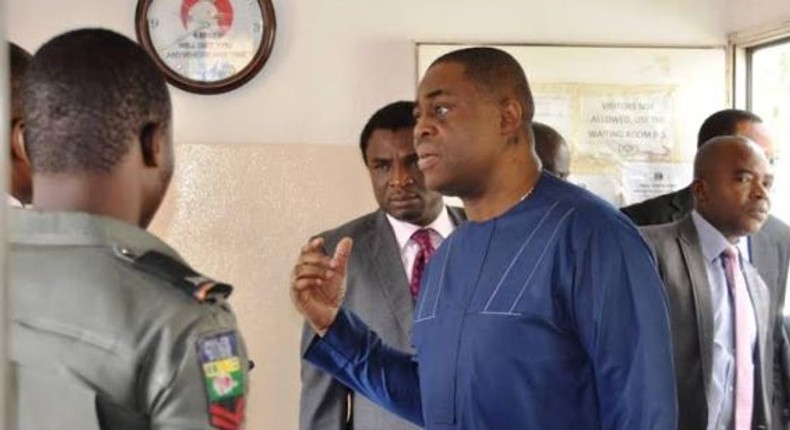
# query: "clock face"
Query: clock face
{"points": [[207, 42]]}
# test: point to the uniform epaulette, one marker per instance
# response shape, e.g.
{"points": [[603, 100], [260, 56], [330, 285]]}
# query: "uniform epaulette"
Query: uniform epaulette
{"points": [[180, 275]]}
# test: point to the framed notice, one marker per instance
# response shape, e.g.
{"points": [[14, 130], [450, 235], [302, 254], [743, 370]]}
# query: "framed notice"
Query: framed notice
{"points": [[629, 113]]}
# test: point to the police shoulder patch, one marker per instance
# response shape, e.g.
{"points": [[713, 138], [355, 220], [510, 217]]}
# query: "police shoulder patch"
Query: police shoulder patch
{"points": [[223, 375]]}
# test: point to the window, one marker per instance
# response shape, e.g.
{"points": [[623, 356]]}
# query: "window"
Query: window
{"points": [[761, 84], [768, 95]]}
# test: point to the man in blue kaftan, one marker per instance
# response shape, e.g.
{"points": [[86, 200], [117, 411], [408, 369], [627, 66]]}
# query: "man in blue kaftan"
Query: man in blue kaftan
{"points": [[544, 311]]}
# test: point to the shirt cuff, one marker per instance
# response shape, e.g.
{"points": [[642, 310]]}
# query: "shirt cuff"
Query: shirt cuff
{"points": [[343, 341]]}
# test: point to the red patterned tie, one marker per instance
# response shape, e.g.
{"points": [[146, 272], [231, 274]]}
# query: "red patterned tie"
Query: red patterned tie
{"points": [[423, 239], [744, 333]]}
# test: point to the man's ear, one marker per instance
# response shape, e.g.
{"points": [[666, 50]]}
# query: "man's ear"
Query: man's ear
{"points": [[512, 116], [18, 150], [699, 190], [152, 143]]}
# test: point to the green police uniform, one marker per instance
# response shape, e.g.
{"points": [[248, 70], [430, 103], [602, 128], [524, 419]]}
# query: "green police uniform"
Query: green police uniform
{"points": [[112, 330]]}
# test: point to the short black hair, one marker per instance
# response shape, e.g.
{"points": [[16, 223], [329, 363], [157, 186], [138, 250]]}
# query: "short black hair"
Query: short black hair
{"points": [[19, 61], [495, 72], [724, 123], [545, 136], [393, 116], [548, 145], [87, 95]]}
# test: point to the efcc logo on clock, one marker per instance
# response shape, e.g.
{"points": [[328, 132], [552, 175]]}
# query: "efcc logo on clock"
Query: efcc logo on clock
{"points": [[207, 18]]}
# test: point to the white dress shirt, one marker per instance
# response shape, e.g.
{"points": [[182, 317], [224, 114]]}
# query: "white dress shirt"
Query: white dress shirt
{"points": [[721, 391], [440, 228]]}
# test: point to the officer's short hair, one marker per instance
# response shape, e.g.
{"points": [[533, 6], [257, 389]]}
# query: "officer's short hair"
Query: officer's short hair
{"points": [[546, 137], [87, 94], [19, 59], [393, 116]]}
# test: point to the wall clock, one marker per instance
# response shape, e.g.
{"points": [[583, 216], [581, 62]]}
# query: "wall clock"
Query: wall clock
{"points": [[207, 46]]}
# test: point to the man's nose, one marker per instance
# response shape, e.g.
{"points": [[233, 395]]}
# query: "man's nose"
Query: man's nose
{"points": [[760, 190], [423, 128], [400, 176]]}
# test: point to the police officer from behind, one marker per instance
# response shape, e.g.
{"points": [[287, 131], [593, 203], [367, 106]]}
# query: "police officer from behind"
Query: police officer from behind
{"points": [[112, 329]]}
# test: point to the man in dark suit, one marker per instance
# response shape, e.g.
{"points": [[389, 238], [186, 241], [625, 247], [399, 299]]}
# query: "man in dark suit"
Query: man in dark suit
{"points": [[768, 249], [383, 273], [721, 315], [552, 150]]}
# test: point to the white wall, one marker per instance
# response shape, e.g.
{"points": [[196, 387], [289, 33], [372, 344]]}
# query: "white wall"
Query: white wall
{"points": [[746, 14], [257, 168], [334, 61]]}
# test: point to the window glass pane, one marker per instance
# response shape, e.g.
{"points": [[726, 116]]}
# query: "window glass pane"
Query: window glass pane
{"points": [[770, 99]]}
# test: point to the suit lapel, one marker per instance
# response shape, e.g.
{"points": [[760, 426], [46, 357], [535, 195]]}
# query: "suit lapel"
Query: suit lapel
{"points": [[762, 315], [760, 246], [682, 202], [388, 266], [457, 215], [760, 302], [763, 249], [698, 274]]}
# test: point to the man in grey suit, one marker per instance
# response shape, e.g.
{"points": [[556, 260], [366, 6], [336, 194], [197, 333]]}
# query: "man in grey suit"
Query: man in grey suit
{"points": [[722, 321], [381, 274], [768, 248]]}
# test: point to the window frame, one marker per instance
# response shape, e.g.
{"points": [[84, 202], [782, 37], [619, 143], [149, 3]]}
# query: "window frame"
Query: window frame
{"points": [[741, 47]]}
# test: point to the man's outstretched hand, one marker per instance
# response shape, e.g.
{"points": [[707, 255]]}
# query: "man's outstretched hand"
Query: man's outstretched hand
{"points": [[318, 283]]}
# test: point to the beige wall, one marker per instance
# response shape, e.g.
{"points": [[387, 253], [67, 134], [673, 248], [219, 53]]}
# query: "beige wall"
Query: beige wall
{"points": [[263, 167], [240, 214]]}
